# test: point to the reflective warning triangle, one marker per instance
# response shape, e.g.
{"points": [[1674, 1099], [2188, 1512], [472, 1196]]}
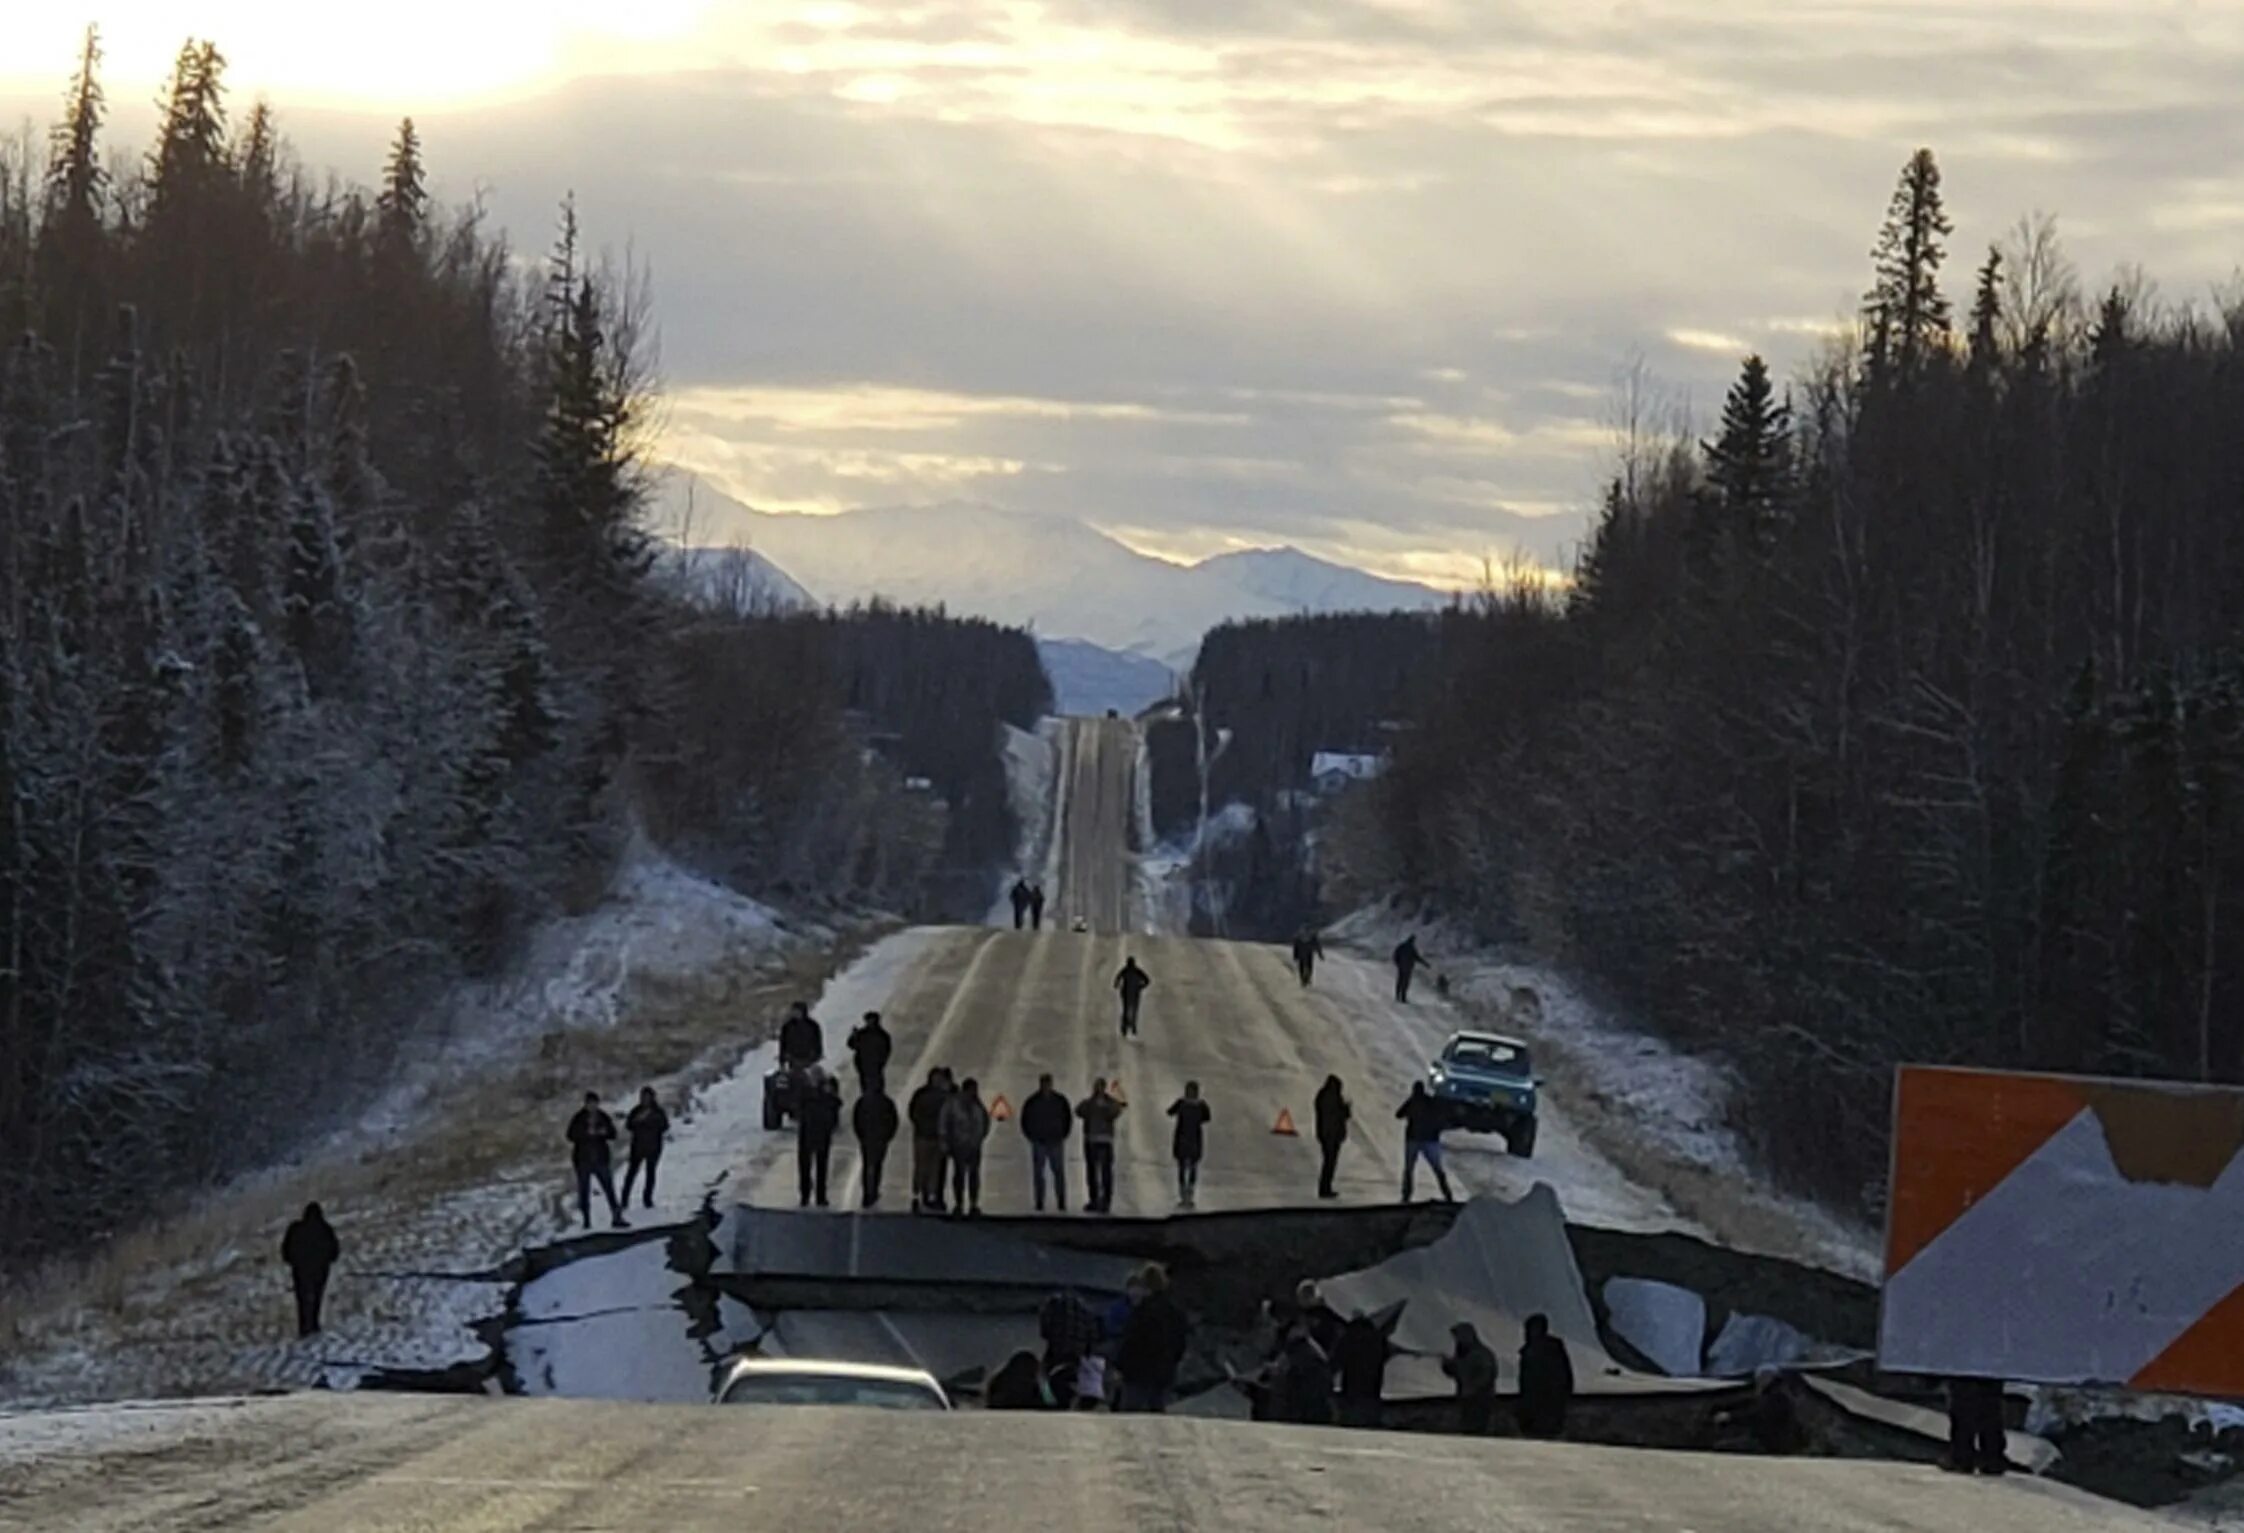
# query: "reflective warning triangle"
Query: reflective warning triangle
{"points": [[1001, 1109], [1284, 1125]]}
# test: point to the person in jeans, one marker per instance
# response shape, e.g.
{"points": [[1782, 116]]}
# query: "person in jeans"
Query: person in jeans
{"points": [[1189, 1141], [592, 1136], [1046, 1121], [1098, 1112], [965, 1125], [1423, 1118]]}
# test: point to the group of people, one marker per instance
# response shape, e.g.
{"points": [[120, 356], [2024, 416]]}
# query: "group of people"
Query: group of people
{"points": [[592, 1136], [1028, 905], [1124, 1357]]}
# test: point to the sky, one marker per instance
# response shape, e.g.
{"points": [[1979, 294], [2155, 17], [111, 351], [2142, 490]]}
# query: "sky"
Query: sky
{"points": [[1363, 276]]}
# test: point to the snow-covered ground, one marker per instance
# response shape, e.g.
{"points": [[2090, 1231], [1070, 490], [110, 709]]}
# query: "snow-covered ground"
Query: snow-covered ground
{"points": [[1652, 1116], [446, 1177], [1032, 763]]}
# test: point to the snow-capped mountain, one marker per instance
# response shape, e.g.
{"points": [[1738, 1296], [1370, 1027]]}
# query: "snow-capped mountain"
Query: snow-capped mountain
{"points": [[1056, 576], [1087, 679]]}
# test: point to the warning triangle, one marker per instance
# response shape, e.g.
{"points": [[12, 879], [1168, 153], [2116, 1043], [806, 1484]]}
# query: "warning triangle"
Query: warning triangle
{"points": [[1001, 1109], [1284, 1125]]}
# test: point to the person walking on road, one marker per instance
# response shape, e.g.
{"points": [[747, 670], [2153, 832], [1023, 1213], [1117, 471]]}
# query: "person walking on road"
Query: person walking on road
{"points": [[592, 1137], [1020, 903], [1153, 1344], [965, 1125], [646, 1126], [1546, 1381], [1098, 1112], [1046, 1121], [1407, 960], [1332, 1113], [873, 1120], [1308, 947], [1036, 907], [1132, 982], [818, 1122], [926, 1112], [310, 1251], [1423, 1118], [1473, 1367], [802, 1042], [1190, 1141], [1360, 1358], [870, 1045]]}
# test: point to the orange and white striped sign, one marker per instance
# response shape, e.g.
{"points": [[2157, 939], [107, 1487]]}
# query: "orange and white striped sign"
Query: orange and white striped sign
{"points": [[2064, 1229]]}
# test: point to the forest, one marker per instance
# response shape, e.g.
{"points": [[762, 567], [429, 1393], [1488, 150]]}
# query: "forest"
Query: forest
{"points": [[330, 656], [1903, 719]]}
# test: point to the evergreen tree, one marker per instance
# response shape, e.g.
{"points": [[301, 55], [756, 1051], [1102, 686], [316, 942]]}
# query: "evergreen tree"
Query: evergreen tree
{"points": [[1905, 313], [190, 150], [1750, 464], [592, 541], [257, 160], [1986, 314], [77, 181]]}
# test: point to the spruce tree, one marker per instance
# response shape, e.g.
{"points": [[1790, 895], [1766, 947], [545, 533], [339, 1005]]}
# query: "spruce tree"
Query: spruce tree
{"points": [[1986, 314], [190, 147], [1904, 312], [401, 208], [1750, 464]]}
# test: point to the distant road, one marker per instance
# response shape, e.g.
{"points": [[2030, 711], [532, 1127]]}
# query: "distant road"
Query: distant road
{"points": [[319, 1463]]}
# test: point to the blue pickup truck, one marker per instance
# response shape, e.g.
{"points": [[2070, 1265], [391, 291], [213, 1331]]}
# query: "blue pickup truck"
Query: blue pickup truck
{"points": [[1488, 1084]]}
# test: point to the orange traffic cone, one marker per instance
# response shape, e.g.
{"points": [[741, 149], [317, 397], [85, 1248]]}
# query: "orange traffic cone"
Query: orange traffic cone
{"points": [[1000, 1110], [1284, 1125]]}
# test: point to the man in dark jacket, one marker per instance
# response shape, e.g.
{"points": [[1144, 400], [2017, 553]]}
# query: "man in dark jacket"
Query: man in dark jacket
{"points": [[1423, 1119], [1132, 982], [965, 1126], [1046, 1121], [1308, 947], [1152, 1345], [1361, 1361], [646, 1126], [1473, 1366], [1036, 907], [1020, 903], [1301, 1389], [874, 1121], [1546, 1381], [1407, 960], [926, 1112], [310, 1249], [592, 1137], [1099, 1112], [870, 1045], [802, 1042], [1190, 1141], [817, 1124], [1332, 1114]]}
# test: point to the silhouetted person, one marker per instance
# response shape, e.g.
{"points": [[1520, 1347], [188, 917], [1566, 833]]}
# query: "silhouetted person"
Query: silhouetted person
{"points": [[926, 1112], [310, 1249], [1332, 1115], [1190, 1141], [1308, 947], [1407, 960], [817, 1121], [592, 1137], [1424, 1116], [871, 1045], [873, 1120], [1152, 1344], [1046, 1121], [965, 1126], [1020, 903], [1302, 1387], [1098, 1112], [1976, 1439], [1473, 1366], [1036, 907], [1360, 1358], [1546, 1381], [1132, 982], [646, 1126], [802, 1042], [1018, 1386]]}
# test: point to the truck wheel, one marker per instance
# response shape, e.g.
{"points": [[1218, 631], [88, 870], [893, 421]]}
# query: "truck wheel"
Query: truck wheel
{"points": [[1521, 1141]]}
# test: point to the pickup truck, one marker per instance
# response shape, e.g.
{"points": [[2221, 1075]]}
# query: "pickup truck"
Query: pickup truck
{"points": [[1489, 1086]]}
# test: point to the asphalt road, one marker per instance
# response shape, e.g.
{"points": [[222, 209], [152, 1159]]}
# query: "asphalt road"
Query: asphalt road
{"points": [[413, 1464]]}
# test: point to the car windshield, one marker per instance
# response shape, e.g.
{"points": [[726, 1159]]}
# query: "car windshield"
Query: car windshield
{"points": [[829, 1389], [1484, 1054]]}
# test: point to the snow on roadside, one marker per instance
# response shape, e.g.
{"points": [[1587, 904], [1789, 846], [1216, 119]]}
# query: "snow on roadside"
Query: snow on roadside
{"points": [[1031, 775], [1636, 1097]]}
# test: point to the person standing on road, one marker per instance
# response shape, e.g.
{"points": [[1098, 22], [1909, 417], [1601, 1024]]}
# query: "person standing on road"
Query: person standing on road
{"points": [[1046, 1121], [1308, 947], [1189, 1142], [310, 1251], [1036, 907], [926, 1112], [1976, 1439], [1020, 903], [1153, 1344], [965, 1125], [1546, 1381], [818, 1122], [1132, 982], [1407, 960], [592, 1137], [1360, 1358], [1423, 1118], [1332, 1115], [1473, 1366], [870, 1046], [646, 1126], [873, 1120], [802, 1042], [1098, 1112]]}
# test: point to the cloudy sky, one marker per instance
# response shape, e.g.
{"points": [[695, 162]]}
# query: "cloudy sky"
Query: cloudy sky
{"points": [[1358, 275]]}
